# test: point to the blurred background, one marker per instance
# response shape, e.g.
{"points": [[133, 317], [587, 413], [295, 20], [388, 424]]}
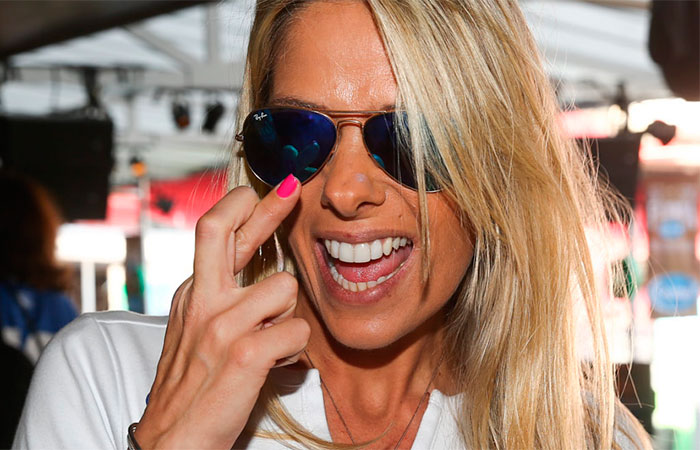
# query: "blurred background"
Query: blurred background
{"points": [[124, 112]]}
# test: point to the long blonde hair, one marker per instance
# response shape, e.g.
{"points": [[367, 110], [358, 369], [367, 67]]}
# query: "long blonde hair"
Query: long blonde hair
{"points": [[483, 120]]}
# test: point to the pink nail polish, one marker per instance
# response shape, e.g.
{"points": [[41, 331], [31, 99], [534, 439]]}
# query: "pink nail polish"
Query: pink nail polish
{"points": [[287, 187]]}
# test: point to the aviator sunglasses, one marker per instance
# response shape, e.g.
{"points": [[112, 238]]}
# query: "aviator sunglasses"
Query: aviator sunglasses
{"points": [[279, 141]]}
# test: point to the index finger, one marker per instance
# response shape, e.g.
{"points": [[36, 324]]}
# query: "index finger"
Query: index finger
{"points": [[267, 216], [215, 234]]}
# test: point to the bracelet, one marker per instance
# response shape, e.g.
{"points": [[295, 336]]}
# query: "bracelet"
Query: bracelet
{"points": [[130, 439]]}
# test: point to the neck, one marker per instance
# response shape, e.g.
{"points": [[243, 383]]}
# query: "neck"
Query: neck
{"points": [[378, 382], [377, 396]]}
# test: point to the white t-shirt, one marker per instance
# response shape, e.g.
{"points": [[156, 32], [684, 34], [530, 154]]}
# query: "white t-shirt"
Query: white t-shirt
{"points": [[92, 380]]}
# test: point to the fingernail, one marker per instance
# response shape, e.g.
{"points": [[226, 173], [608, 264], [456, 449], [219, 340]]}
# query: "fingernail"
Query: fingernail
{"points": [[287, 187]]}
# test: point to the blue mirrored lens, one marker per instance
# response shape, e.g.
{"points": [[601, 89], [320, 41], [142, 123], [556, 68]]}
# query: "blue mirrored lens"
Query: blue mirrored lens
{"points": [[279, 142], [392, 154]]}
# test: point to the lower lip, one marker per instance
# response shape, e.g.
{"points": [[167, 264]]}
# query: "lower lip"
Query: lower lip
{"points": [[366, 297]]}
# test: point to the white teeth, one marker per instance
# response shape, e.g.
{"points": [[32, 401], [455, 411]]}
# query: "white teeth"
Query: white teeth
{"points": [[334, 273], [360, 285], [335, 249], [375, 249], [364, 251], [346, 254], [386, 246]]}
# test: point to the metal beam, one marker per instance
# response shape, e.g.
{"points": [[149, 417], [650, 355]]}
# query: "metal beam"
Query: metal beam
{"points": [[221, 77], [28, 25], [162, 45]]}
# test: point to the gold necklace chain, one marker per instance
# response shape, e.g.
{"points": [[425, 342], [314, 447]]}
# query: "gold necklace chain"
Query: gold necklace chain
{"points": [[415, 413]]}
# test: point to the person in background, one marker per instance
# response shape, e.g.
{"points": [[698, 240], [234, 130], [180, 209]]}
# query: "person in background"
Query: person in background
{"points": [[33, 302]]}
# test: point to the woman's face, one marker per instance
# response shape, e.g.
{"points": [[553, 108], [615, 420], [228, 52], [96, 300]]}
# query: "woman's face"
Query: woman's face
{"points": [[333, 59]]}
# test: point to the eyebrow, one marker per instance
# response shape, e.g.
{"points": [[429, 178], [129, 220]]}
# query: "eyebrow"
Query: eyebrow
{"points": [[293, 101]]}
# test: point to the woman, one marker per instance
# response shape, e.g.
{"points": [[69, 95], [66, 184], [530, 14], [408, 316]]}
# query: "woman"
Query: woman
{"points": [[437, 249], [33, 285]]}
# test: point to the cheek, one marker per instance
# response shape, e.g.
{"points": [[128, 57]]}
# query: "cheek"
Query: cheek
{"points": [[453, 247], [451, 259], [451, 251]]}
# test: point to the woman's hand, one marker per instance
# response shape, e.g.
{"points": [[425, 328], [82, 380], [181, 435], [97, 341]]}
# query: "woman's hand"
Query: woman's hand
{"points": [[223, 339]]}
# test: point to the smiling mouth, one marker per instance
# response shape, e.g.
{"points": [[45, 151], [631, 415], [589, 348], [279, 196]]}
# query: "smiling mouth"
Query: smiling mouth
{"points": [[362, 266]]}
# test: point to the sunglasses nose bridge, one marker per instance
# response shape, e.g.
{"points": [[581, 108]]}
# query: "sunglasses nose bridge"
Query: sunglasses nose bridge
{"points": [[350, 122], [343, 122]]}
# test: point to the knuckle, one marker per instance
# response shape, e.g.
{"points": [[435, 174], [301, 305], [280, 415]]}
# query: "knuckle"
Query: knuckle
{"points": [[245, 193], [287, 283], [244, 353], [218, 330], [208, 225], [303, 330]]}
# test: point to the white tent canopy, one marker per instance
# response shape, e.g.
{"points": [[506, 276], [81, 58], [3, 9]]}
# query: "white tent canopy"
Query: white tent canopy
{"points": [[197, 54], [590, 48]]}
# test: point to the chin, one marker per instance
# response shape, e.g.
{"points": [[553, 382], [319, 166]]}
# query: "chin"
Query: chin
{"points": [[365, 336]]}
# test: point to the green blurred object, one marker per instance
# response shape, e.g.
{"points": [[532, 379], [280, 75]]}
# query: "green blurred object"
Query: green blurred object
{"points": [[626, 278], [684, 440]]}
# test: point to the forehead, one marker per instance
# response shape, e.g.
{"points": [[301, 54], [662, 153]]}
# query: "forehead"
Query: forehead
{"points": [[334, 57]]}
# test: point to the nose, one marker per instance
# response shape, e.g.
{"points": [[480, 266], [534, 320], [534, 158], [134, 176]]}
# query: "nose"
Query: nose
{"points": [[350, 183]]}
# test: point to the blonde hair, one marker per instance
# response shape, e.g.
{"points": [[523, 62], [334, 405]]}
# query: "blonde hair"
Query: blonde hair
{"points": [[483, 120]]}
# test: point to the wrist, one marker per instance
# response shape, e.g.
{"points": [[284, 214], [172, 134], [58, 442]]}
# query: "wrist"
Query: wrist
{"points": [[131, 439]]}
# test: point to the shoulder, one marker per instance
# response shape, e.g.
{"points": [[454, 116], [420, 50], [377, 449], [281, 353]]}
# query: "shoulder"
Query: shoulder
{"points": [[117, 330], [105, 346], [126, 320], [95, 372], [112, 320]]}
